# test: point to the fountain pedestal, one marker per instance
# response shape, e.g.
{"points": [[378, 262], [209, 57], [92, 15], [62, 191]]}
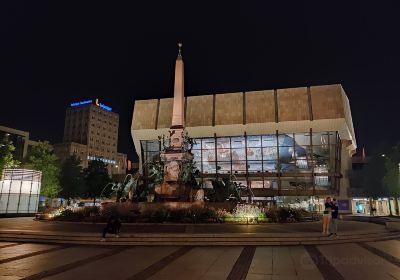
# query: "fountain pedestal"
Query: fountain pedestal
{"points": [[172, 188]]}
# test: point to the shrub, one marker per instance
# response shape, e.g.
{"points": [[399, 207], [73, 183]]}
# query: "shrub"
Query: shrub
{"points": [[272, 215], [200, 214], [262, 217], [178, 215], [67, 212], [125, 211], [159, 215], [69, 215], [90, 211], [222, 215], [182, 215], [298, 214], [283, 214], [41, 208]]}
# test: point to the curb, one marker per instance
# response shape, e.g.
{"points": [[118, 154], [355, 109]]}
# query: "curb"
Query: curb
{"points": [[198, 239]]}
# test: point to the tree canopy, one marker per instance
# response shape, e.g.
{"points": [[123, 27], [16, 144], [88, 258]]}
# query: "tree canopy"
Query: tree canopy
{"points": [[96, 178], [6, 155], [41, 157], [72, 179], [392, 176], [380, 177]]}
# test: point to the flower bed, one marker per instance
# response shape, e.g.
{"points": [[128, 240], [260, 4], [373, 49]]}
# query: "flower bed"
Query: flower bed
{"points": [[132, 213]]}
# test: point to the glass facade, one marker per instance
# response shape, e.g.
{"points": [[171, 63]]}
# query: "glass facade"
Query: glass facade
{"points": [[150, 150], [19, 191], [281, 161]]}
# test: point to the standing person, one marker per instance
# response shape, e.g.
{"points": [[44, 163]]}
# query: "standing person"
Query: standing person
{"points": [[326, 217], [113, 226], [334, 218], [373, 209]]}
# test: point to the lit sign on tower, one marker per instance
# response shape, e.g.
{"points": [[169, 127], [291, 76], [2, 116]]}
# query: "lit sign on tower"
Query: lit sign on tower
{"points": [[75, 104], [97, 103], [101, 105]]}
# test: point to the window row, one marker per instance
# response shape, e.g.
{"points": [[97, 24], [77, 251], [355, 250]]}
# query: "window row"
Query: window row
{"points": [[287, 183], [262, 166], [271, 140], [265, 153]]}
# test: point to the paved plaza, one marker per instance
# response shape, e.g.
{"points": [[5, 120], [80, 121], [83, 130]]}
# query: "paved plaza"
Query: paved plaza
{"points": [[48, 260], [372, 260]]}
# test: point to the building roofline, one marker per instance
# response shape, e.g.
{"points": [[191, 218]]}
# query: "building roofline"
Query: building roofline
{"points": [[69, 143], [91, 105], [14, 131], [240, 91]]}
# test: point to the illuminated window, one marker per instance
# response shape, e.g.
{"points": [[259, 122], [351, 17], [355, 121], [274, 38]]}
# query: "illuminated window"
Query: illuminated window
{"points": [[269, 140], [253, 141], [238, 142], [255, 166], [224, 167], [254, 153]]}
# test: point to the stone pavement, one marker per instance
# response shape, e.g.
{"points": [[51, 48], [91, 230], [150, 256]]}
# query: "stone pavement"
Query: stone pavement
{"points": [[369, 260]]}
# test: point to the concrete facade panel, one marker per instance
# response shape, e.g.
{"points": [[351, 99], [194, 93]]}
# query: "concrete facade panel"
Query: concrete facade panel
{"points": [[165, 113], [199, 110], [260, 106], [293, 104], [229, 108], [144, 114], [327, 102]]}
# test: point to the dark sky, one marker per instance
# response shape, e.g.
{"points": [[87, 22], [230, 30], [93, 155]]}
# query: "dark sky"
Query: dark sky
{"points": [[56, 52]]}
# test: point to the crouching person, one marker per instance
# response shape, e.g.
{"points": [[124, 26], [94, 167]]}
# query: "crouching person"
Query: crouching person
{"points": [[113, 226]]}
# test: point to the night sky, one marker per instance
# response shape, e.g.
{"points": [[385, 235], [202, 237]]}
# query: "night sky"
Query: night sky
{"points": [[53, 53]]}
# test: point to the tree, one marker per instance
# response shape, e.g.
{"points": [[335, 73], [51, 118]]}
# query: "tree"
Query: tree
{"points": [[6, 155], [72, 179], [392, 176], [380, 177], [96, 178], [372, 176], [41, 158]]}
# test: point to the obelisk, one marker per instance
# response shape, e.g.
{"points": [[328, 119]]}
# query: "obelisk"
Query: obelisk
{"points": [[175, 156], [178, 119]]}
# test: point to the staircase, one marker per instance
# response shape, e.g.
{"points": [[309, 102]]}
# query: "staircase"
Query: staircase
{"points": [[192, 239]]}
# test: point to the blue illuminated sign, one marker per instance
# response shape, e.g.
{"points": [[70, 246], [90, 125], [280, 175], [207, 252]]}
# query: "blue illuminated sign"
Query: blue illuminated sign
{"points": [[105, 160], [81, 103], [101, 105]]}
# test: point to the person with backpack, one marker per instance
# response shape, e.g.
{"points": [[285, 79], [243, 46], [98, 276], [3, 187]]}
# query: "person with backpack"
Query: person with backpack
{"points": [[113, 226]]}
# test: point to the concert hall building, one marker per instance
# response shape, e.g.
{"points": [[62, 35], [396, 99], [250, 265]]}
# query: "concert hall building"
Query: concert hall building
{"points": [[282, 142]]}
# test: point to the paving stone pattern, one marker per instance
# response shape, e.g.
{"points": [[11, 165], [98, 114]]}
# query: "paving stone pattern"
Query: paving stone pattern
{"points": [[372, 260]]}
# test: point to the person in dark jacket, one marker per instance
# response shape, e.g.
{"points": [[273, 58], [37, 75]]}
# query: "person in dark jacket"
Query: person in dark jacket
{"points": [[113, 226], [334, 218]]}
